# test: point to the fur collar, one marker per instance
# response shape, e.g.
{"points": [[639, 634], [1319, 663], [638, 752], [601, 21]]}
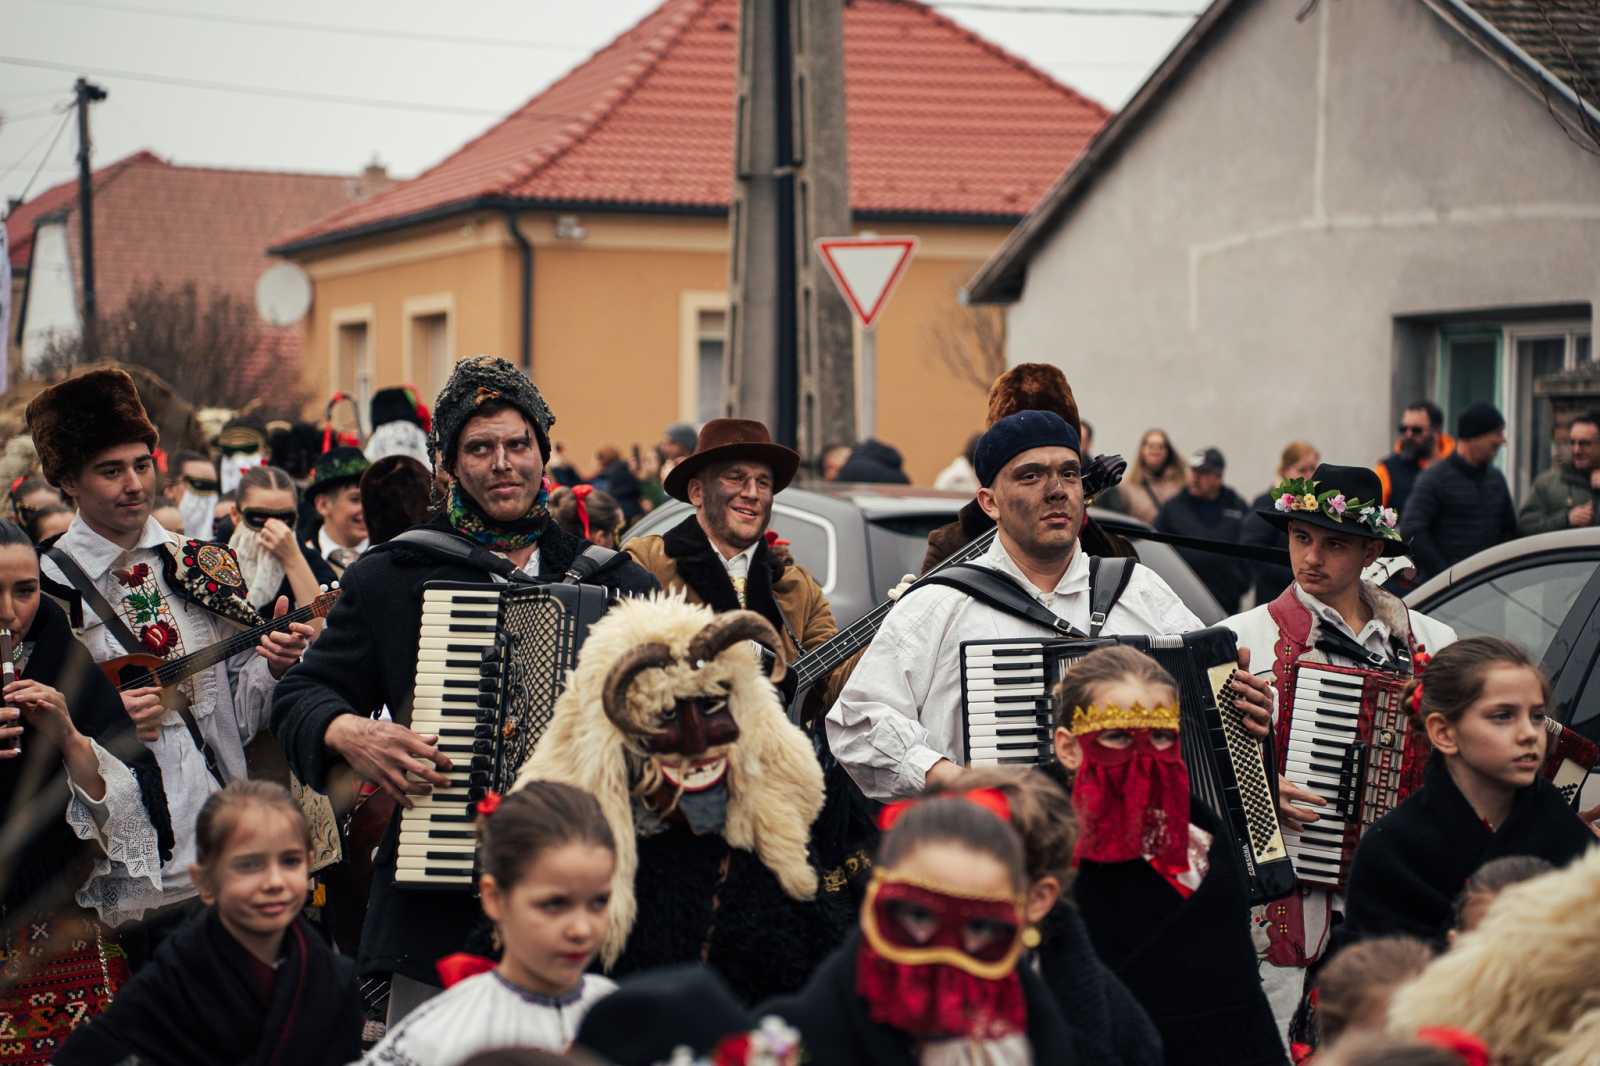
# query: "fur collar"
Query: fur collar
{"points": [[701, 568]]}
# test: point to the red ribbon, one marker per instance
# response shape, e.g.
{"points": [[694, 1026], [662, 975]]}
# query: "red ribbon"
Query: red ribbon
{"points": [[775, 541], [990, 799], [489, 803], [581, 493], [1416, 699], [460, 966], [1468, 1047]]}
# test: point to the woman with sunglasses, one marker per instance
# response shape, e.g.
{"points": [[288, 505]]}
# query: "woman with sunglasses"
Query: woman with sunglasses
{"points": [[270, 558]]}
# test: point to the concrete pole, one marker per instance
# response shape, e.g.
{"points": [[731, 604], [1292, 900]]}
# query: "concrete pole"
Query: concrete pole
{"points": [[86, 94]]}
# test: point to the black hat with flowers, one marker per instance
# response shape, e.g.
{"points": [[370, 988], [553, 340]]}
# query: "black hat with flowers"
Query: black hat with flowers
{"points": [[1346, 499], [340, 466]]}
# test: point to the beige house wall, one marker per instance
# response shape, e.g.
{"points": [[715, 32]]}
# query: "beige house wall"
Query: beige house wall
{"points": [[613, 320]]}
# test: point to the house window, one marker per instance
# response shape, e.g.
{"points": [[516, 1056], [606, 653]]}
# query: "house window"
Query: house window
{"points": [[430, 351], [353, 361], [711, 346], [1502, 363]]}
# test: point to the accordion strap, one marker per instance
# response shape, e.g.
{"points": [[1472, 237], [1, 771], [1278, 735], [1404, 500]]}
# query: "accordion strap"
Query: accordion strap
{"points": [[1001, 592], [447, 547], [1108, 578]]}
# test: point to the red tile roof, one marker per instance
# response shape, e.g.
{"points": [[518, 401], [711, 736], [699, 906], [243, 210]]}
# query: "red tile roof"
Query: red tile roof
{"points": [[942, 123], [156, 221]]}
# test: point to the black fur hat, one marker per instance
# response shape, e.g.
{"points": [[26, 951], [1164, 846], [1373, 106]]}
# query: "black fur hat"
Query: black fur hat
{"points": [[478, 380]]}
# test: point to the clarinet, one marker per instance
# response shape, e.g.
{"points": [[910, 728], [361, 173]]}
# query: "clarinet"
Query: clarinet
{"points": [[8, 671]]}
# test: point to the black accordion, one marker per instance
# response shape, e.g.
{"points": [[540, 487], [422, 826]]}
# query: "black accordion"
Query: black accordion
{"points": [[1007, 718], [491, 660]]}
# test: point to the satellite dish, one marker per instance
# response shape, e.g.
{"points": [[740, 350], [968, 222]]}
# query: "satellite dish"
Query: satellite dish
{"points": [[283, 294]]}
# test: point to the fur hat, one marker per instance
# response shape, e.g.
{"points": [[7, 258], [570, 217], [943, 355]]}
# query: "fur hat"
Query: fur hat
{"points": [[77, 419], [774, 781], [1523, 980], [1032, 387], [474, 382]]}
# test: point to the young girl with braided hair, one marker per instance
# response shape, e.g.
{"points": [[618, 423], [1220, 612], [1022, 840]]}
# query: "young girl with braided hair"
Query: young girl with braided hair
{"points": [[547, 857], [1482, 703]]}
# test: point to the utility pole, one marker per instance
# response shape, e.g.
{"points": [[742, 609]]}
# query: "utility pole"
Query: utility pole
{"points": [[85, 94], [791, 358]]}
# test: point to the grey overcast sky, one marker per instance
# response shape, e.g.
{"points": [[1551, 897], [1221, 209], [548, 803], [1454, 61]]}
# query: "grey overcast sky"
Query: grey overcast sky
{"points": [[226, 73]]}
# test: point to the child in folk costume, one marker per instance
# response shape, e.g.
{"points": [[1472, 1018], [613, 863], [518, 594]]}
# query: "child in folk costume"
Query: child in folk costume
{"points": [[548, 857], [246, 980], [1163, 898], [671, 723], [1354, 989], [1482, 703], [1336, 527], [1485, 886], [1109, 1026], [935, 972], [58, 964]]}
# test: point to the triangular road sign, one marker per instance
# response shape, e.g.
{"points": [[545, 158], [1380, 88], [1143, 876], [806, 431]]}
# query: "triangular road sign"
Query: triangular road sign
{"points": [[866, 270]]}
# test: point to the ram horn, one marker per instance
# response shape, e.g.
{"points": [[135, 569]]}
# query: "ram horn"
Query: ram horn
{"points": [[726, 630], [614, 694]]}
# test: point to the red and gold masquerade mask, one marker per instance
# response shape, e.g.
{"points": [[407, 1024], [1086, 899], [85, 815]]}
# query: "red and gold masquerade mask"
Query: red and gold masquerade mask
{"points": [[1132, 800], [937, 964]]}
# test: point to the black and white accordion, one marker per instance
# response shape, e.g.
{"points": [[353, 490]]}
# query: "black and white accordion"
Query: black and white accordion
{"points": [[491, 660], [1006, 688]]}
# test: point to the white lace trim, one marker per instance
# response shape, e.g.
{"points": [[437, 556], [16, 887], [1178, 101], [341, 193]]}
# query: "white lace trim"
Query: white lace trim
{"points": [[130, 855]]}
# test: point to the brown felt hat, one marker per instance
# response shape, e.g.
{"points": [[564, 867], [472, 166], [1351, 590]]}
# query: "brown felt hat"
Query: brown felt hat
{"points": [[723, 440], [75, 420]]}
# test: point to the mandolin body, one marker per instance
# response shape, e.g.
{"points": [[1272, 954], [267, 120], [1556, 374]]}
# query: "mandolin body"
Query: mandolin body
{"points": [[131, 671]]}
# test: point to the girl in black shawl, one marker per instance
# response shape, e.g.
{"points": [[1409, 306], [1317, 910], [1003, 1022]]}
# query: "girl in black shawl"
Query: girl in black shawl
{"points": [[246, 982], [62, 725], [1482, 702]]}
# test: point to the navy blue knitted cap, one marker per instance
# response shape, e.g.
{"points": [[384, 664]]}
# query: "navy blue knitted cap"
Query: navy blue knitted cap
{"points": [[1015, 434]]}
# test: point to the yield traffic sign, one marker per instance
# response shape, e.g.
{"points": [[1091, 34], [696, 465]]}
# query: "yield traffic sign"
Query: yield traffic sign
{"points": [[866, 269]]}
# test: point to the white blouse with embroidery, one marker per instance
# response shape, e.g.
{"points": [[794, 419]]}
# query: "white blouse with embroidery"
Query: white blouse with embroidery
{"points": [[231, 702]]}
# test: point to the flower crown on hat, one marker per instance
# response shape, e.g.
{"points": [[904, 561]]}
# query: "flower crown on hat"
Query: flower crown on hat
{"points": [[1098, 719], [1299, 494]]}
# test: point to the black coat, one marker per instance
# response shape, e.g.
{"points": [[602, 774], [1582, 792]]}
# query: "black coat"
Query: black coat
{"points": [[1412, 864], [1220, 519], [54, 862], [198, 1003], [365, 660], [1189, 962], [702, 900], [835, 1027], [1109, 1026], [1456, 510], [1269, 579]]}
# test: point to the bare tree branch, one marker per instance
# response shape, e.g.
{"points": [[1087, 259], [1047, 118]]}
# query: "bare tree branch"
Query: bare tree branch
{"points": [[969, 342]]}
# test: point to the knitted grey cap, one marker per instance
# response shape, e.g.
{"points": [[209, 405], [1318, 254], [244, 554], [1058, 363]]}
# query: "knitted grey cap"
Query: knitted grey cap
{"points": [[474, 382]]}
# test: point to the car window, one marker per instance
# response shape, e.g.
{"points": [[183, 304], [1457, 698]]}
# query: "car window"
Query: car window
{"points": [[898, 544], [810, 541], [1526, 605]]}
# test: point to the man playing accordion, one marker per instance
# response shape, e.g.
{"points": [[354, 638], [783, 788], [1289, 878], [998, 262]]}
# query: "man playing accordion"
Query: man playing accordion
{"points": [[898, 724], [1337, 527], [490, 442]]}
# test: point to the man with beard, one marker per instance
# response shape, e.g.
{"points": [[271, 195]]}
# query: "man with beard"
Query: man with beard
{"points": [[719, 555], [897, 726], [490, 439], [129, 586], [1422, 443]]}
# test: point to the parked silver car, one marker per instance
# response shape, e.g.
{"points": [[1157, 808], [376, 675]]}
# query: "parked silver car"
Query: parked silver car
{"points": [[857, 541]]}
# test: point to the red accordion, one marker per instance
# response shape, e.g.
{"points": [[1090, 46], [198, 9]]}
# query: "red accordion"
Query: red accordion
{"points": [[1346, 735]]}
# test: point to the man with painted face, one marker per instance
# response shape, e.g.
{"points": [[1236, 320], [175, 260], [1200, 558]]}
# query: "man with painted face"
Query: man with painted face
{"points": [[1337, 527], [898, 722], [671, 723], [719, 555], [491, 436]]}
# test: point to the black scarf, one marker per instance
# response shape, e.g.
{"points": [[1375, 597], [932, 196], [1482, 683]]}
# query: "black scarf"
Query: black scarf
{"points": [[1413, 863], [198, 1003], [55, 862], [701, 567]]}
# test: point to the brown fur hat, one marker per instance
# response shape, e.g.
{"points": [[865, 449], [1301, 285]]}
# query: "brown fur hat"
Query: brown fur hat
{"points": [[77, 419], [1032, 387]]}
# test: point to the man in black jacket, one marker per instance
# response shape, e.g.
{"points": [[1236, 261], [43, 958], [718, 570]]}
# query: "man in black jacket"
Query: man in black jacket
{"points": [[490, 438], [1461, 504], [1208, 509]]}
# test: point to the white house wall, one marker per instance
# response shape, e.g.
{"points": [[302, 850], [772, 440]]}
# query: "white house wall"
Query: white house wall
{"points": [[1236, 276], [52, 302]]}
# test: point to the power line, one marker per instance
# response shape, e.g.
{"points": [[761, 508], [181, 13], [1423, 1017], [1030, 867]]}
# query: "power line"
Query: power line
{"points": [[7, 118], [65, 119], [323, 27], [1075, 10], [266, 90]]}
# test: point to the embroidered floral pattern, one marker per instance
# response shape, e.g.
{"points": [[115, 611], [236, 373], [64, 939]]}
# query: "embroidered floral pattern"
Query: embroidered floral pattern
{"points": [[147, 611], [159, 637]]}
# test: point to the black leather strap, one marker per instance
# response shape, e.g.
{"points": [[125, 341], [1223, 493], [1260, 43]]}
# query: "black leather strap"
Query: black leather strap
{"points": [[1108, 578], [589, 562], [1000, 592], [447, 547]]}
